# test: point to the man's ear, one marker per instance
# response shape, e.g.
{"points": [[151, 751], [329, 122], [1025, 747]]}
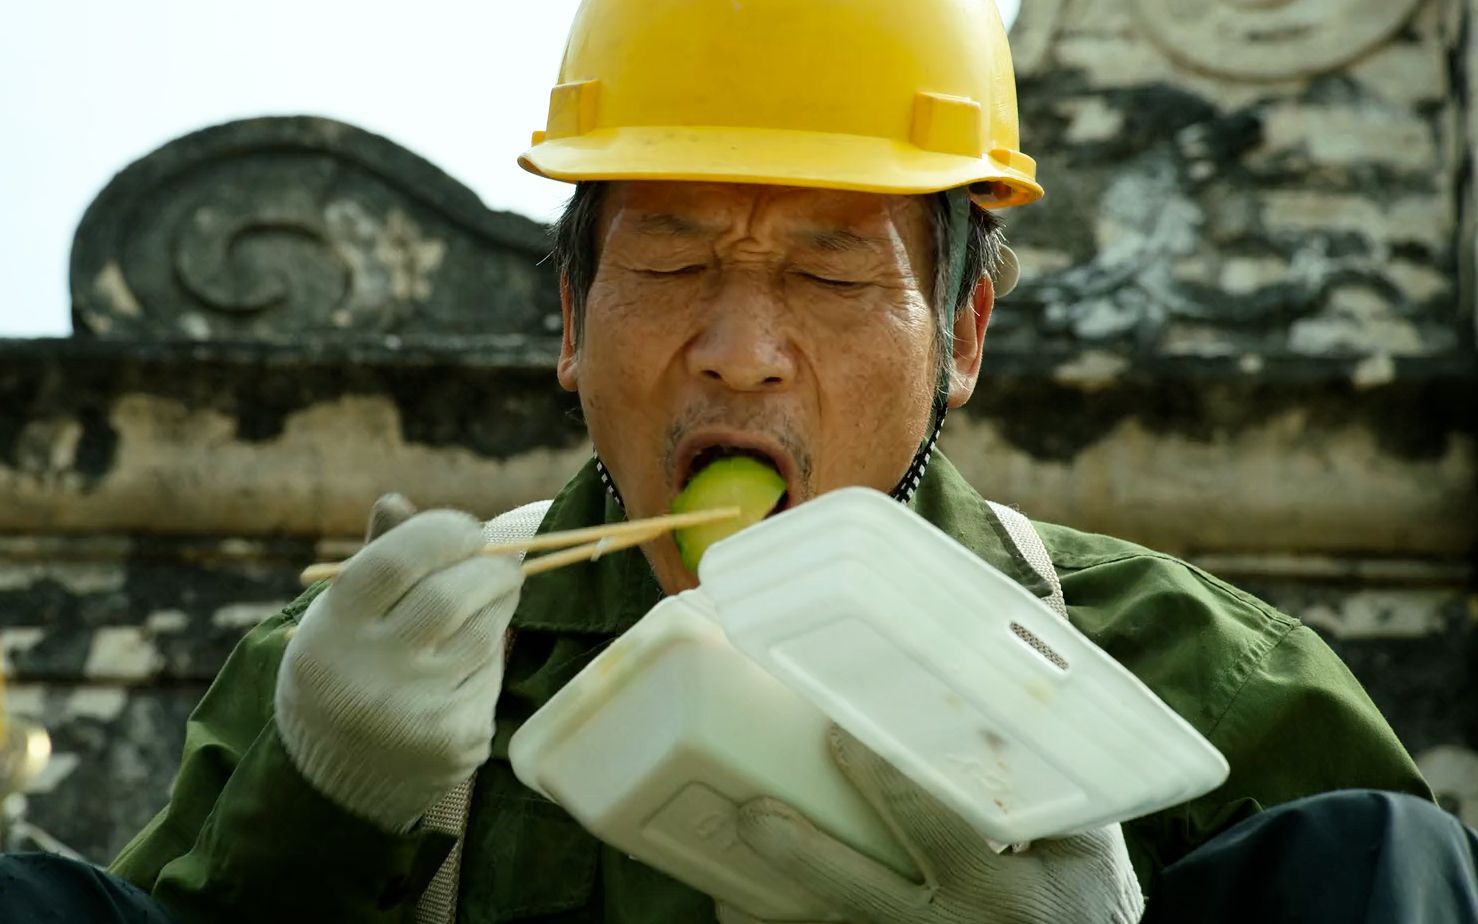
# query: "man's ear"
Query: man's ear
{"points": [[568, 368], [969, 342]]}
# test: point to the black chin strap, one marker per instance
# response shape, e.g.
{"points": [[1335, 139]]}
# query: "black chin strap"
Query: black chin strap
{"points": [[902, 492], [605, 479]]}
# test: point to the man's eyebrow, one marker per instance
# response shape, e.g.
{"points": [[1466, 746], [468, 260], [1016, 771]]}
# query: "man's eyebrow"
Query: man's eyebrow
{"points": [[831, 240], [665, 224], [839, 240]]}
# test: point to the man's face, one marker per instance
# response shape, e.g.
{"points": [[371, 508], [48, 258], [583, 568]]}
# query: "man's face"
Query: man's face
{"points": [[792, 323]]}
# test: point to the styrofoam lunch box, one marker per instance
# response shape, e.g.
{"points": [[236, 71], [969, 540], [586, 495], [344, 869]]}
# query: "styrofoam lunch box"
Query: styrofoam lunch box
{"points": [[655, 745], [849, 609]]}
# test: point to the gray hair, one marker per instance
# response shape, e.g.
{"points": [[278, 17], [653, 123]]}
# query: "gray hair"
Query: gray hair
{"points": [[984, 238], [577, 255]]}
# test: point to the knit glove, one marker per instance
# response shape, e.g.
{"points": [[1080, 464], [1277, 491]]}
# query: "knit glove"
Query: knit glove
{"points": [[386, 693], [1083, 878]]}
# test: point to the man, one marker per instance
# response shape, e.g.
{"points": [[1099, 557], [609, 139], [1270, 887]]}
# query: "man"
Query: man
{"points": [[782, 242]]}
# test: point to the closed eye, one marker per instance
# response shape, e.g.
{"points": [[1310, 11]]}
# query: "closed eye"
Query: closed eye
{"points": [[832, 283], [690, 270]]}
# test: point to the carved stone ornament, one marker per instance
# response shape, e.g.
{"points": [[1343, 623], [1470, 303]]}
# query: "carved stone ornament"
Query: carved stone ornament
{"points": [[286, 227], [1270, 39]]}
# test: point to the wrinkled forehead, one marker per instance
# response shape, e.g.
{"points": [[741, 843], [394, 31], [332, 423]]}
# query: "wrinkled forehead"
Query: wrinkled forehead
{"points": [[823, 219]]}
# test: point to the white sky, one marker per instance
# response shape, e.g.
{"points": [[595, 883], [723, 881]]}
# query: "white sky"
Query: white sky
{"points": [[89, 86]]}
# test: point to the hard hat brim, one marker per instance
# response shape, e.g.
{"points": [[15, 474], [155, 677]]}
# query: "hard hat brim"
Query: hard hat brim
{"points": [[773, 157]]}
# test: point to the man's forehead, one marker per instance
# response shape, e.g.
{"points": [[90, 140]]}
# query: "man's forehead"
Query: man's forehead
{"points": [[813, 236], [829, 220]]}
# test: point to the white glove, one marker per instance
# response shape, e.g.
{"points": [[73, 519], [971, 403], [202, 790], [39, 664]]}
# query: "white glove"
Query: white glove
{"points": [[386, 693], [1083, 878]]}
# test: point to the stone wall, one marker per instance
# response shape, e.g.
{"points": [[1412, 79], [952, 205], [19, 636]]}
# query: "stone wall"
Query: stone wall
{"points": [[1248, 179], [1245, 334]]}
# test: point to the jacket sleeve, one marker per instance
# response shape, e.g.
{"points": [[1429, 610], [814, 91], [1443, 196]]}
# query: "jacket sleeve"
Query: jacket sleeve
{"points": [[1279, 704], [245, 837], [1300, 724]]}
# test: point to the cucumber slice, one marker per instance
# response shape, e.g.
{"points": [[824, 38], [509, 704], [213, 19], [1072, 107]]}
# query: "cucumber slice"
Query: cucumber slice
{"points": [[736, 481]]}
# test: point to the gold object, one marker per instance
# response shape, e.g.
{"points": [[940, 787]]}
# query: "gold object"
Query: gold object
{"points": [[25, 748]]}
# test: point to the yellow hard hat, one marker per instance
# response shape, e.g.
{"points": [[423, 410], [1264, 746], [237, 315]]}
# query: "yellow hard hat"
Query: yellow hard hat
{"points": [[887, 96]]}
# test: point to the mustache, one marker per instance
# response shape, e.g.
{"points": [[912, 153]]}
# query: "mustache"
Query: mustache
{"points": [[769, 422]]}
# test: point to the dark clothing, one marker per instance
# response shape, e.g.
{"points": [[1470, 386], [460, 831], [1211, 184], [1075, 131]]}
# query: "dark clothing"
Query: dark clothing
{"points": [[38, 888], [1352, 857]]}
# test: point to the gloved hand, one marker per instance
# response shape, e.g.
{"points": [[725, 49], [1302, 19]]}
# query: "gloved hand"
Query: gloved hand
{"points": [[1083, 878], [386, 693]]}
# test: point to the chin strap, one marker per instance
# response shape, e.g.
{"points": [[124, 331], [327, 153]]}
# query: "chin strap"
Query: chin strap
{"points": [[959, 223], [903, 492], [605, 479]]}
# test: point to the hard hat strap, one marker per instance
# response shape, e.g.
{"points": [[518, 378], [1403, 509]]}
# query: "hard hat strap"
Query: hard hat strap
{"points": [[608, 481], [903, 492], [959, 250]]}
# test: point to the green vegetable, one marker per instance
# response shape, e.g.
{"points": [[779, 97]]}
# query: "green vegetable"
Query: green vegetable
{"points": [[735, 481]]}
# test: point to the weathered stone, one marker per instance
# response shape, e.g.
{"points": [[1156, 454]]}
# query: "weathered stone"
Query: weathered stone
{"points": [[197, 438], [1113, 62], [1344, 137], [1358, 320], [1405, 73], [303, 446], [1453, 772], [1270, 40], [114, 754], [138, 611], [1269, 464], [1156, 176], [1464, 151], [271, 228], [1033, 33]]}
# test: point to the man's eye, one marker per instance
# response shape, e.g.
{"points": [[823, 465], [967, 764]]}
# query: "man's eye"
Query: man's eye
{"points": [[830, 283], [691, 270]]}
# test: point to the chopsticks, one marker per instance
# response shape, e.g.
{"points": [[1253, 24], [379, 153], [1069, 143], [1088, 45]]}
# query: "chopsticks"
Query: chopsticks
{"points": [[590, 543]]}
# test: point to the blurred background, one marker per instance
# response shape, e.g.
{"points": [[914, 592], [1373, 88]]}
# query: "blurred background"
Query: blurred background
{"points": [[264, 263]]}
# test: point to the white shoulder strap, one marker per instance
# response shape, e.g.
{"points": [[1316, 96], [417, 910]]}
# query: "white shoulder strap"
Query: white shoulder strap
{"points": [[518, 524], [438, 904], [1024, 536]]}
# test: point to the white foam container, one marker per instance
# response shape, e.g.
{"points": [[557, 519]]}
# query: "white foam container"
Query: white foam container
{"points": [[854, 610], [655, 745], [951, 671]]}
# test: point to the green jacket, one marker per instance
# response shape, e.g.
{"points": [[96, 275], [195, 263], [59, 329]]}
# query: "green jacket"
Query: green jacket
{"points": [[245, 837]]}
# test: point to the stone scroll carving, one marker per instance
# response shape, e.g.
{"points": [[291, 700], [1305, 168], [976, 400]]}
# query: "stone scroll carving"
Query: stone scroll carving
{"points": [[1270, 39], [280, 228]]}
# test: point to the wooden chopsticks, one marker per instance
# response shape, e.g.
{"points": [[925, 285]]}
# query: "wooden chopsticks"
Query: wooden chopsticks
{"points": [[589, 543]]}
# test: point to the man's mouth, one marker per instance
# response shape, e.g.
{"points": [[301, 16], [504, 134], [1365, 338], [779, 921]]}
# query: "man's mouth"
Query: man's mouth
{"points": [[698, 452]]}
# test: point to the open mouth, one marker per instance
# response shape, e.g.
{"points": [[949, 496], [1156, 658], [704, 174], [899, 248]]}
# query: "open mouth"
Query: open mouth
{"points": [[703, 456]]}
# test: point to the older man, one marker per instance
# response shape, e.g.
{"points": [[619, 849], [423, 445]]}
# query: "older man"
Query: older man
{"points": [[781, 242]]}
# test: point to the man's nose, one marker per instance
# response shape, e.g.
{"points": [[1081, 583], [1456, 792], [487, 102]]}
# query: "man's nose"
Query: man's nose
{"points": [[745, 343]]}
